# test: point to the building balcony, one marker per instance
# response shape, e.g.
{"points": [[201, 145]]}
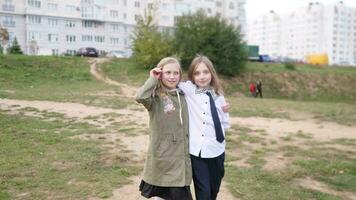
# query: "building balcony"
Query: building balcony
{"points": [[7, 7]]}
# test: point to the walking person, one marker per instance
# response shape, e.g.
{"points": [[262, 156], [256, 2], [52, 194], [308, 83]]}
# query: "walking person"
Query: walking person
{"points": [[253, 89], [167, 172], [207, 124], [259, 89]]}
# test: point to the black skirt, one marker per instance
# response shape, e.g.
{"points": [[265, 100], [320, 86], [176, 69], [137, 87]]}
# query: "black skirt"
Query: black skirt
{"points": [[168, 193]]}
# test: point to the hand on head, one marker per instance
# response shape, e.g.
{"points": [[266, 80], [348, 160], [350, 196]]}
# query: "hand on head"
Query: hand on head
{"points": [[156, 73]]}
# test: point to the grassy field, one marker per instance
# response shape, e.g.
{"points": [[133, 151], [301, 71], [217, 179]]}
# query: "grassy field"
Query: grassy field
{"points": [[39, 160], [55, 79], [41, 156]]}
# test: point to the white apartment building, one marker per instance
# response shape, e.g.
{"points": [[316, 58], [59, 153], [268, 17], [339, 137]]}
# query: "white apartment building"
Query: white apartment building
{"points": [[313, 29], [55, 27]]}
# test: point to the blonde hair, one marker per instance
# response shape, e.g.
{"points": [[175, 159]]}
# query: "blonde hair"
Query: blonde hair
{"points": [[215, 81], [169, 60]]}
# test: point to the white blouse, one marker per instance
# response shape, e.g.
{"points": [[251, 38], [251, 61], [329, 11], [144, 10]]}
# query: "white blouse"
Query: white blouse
{"points": [[202, 136]]}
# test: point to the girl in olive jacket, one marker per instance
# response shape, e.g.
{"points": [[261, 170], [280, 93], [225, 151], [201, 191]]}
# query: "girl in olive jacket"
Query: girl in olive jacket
{"points": [[167, 172]]}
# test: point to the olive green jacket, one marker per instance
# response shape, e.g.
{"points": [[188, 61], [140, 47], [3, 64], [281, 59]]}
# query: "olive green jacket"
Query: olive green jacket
{"points": [[168, 160]]}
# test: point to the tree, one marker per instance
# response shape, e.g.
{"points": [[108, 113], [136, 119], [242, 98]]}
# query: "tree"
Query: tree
{"points": [[211, 36], [149, 45], [15, 48], [4, 39]]}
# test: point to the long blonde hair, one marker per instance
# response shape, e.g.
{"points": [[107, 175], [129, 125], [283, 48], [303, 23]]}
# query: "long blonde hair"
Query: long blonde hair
{"points": [[165, 61], [215, 81]]}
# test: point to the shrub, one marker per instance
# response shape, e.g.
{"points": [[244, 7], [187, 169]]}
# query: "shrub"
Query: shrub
{"points": [[289, 65], [213, 37]]}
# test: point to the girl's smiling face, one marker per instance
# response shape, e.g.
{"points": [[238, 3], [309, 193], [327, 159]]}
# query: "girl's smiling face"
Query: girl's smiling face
{"points": [[202, 76], [171, 75]]}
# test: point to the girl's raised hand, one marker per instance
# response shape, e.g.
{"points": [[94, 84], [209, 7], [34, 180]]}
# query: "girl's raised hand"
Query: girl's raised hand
{"points": [[156, 73]]}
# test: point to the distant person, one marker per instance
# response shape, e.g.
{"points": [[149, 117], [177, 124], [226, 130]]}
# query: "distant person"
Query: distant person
{"points": [[253, 89], [167, 173], [259, 89]]}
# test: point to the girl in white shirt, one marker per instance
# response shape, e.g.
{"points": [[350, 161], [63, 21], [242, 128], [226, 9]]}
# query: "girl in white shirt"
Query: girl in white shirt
{"points": [[206, 134]]}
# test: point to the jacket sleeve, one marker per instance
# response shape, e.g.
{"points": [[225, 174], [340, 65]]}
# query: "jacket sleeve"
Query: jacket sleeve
{"points": [[144, 93], [187, 87]]}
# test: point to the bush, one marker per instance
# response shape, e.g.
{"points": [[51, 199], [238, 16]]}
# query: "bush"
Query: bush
{"points": [[213, 37], [149, 45], [289, 65]]}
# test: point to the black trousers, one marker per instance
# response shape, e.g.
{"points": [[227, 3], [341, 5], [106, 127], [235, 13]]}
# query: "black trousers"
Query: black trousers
{"points": [[207, 176]]}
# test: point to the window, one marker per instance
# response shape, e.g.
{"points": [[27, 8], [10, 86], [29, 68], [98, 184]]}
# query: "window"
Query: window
{"points": [[99, 39], [9, 21], [137, 4], [165, 19], [70, 38], [114, 13], [90, 24], [87, 38], [137, 17], [34, 3], [52, 22], [52, 7], [114, 40], [115, 27], [231, 6], [70, 24], [35, 35], [124, 15], [218, 4], [34, 19], [70, 9], [8, 6], [71, 52], [52, 37], [55, 52]]}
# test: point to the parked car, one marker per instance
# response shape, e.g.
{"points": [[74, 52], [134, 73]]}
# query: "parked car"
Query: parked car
{"points": [[117, 54], [88, 51]]}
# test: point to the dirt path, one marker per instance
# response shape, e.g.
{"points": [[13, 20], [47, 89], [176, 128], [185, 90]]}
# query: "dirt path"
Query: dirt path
{"points": [[280, 127], [310, 183], [127, 90]]}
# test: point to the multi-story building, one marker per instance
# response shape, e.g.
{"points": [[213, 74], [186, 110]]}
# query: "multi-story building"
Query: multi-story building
{"points": [[53, 27], [314, 29]]}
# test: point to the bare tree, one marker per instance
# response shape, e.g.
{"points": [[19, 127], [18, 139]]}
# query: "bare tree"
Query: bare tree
{"points": [[4, 38]]}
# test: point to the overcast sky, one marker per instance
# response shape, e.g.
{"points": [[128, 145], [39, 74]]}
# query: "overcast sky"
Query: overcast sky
{"points": [[254, 8]]}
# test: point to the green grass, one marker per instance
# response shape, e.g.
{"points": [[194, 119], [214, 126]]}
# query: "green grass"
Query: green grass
{"points": [[126, 71], [305, 83], [300, 68], [55, 79], [256, 184], [38, 158], [342, 113]]}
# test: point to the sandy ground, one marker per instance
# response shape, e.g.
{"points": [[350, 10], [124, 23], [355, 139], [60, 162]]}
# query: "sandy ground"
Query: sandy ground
{"points": [[136, 146]]}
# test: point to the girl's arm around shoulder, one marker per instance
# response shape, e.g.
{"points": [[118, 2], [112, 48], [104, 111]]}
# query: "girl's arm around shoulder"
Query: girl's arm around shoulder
{"points": [[145, 92], [187, 87], [225, 121]]}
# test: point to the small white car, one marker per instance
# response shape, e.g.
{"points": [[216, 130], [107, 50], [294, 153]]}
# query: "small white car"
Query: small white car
{"points": [[117, 54]]}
